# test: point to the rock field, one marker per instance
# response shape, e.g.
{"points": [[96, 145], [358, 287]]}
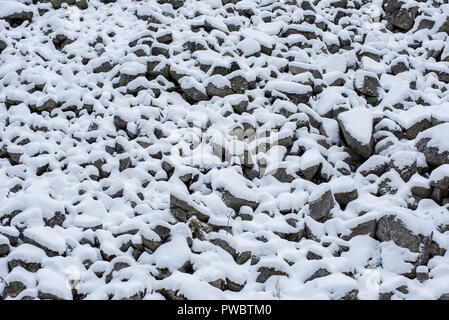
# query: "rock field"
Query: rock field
{"points": [[224, 149]]}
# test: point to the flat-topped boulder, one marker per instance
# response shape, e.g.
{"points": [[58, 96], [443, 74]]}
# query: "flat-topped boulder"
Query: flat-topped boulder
{"points": [[15, 13], [357, 127], [434, 143]]}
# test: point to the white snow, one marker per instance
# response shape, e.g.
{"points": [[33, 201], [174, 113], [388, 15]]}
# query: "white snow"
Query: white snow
{"points": [[359, 124], [8, 8]]}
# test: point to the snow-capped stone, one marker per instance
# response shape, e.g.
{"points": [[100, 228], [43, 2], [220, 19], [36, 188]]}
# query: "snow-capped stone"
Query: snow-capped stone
{"points": [[439, 178], [26, 256], [218, 85], [176, 4], [182, 210], [17, 281], [434, 143], [298, 93], [344, 190], [53, 285], [405, 163], [235, 193], [366, 83], [357, 127], [14, 12], [406, 232], [400, 14], [193, 88], [321, 202], [3, 45], [47, 239], [158, 150], [81, 4], [376, 164], [265, 273], [298, 68], [4, 246]]}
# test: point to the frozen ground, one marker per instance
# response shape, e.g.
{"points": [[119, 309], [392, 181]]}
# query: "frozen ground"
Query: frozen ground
{"points": [[224, 149]]}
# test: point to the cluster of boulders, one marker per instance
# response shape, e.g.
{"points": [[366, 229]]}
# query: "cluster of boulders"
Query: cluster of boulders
{"points": [[220, 149]]}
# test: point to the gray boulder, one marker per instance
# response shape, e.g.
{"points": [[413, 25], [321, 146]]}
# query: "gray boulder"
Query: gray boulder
{"points": [[235, 202], [81, 4], [266, 272], [392, 228], [321, 203], [318, 274], [17, 15], [176, 4], [182, 210], [193, 89], [399, 16], [367, 84], [218, 86], [3, 45], [434, 144], [357, 127]]}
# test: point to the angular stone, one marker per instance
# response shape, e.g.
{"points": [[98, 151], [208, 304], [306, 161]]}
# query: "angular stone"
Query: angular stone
{"points": [[3, 45], [343, 198], [218, 86], [404, 163], [432, 142], [321, 203], [318, 274], [367, 84], [267, 272], [183, 211], [13, 289], [352, 123], [364, 228], [400, 16], [390, 227], [21, 14], [235, 202], [374, 165], [176, 4]]}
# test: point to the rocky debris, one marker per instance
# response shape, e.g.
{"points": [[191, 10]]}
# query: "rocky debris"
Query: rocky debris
{"points": [[362, 228], [155, 150], [313, 256], [3, 45], [40, 237], [81, 4], [391, 227], [15, 13], [235, 202], [344, 190], [432, 143], [321, 202], [267, 272], [13, 289], [367, 84], [26, 256], [399, 14], [4, 247], [182, 210], [193, 89], [405, 163], [422, 273], [176, 4], [218, 86], [321, 272], [376, 165], [357, 127], [296, 92]]}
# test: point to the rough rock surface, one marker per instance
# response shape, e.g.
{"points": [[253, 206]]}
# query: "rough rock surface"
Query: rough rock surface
{"points": [[224, 149]]}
